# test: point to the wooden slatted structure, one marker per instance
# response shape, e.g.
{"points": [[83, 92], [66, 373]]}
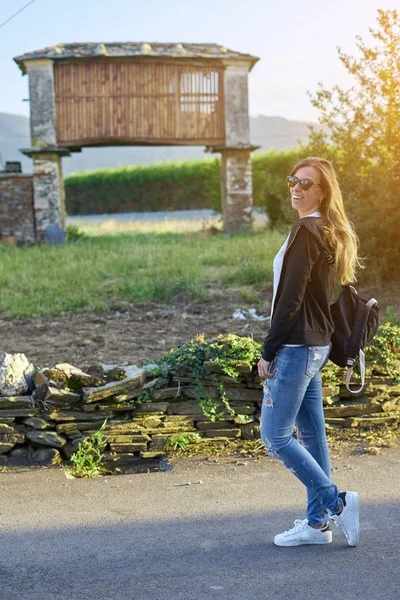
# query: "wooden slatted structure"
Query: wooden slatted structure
{"points": [[139, 101], [136, 93]]}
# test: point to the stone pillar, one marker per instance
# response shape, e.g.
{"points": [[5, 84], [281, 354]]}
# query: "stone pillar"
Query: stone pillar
{"points": [[236, 175], [42, 103], [236, 103], [48, 188], [48, 184], [236, 190]]}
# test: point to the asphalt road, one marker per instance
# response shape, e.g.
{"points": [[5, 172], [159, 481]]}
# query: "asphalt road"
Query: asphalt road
{"points": [[156, 216], [150, 536]]}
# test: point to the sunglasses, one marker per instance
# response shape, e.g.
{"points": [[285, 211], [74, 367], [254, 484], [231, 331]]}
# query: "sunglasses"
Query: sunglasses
{"points": [[305, 184]]}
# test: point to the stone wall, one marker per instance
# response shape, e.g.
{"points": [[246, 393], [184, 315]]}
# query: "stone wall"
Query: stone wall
{"points": [[45, 415], [17, 223]]}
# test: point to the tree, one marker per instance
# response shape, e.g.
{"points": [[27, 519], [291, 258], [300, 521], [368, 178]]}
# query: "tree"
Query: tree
{"points": [[361, 136]]}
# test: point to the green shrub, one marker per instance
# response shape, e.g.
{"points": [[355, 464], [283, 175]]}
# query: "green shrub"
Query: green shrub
{"points": [[87, 460], [74, 233], [390, 316], [385, 349], [226, 351]]}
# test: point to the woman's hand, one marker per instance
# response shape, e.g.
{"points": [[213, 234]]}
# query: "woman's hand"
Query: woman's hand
{"points": [[263, 369]]}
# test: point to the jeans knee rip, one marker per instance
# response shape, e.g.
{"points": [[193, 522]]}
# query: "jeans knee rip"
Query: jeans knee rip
{"points": [[267, 397], [268, 445]]}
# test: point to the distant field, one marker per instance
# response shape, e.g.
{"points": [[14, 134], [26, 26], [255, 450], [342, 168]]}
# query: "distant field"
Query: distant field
{"points": [[162, 266]]}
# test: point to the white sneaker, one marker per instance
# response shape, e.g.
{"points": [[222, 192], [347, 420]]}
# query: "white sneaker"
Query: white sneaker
{"points": [[348, 520], [303, 533]]}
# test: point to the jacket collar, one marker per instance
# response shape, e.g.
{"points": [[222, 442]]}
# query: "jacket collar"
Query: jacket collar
{"points": [[315, 226]]}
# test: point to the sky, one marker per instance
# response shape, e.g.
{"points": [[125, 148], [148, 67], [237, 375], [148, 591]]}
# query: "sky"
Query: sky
{"points": [[295, 40]]}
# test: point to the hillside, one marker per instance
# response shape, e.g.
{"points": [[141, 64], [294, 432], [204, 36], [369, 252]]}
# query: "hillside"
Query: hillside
{"points": [[267, 132]]}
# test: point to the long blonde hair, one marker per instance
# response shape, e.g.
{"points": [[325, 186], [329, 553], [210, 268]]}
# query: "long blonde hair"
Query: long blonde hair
{"points": [[339, 231]]}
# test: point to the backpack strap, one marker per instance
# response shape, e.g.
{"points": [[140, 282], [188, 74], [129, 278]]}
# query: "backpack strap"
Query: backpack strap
{"points": [[318, 233], [329, 258], [357, 330], [349, 373], [355, 340]]}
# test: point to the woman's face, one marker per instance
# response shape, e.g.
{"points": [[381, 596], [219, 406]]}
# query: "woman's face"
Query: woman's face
{"points": [[307, 201]]}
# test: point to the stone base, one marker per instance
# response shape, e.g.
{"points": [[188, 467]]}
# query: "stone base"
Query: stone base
{"points": [[236, 190]]}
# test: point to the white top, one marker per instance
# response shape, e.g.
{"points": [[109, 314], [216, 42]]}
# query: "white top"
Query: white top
{"points": [[277, 267]]}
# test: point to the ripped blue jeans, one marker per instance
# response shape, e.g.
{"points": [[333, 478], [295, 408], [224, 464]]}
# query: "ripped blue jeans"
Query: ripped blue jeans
{"points": [[293, 398]]}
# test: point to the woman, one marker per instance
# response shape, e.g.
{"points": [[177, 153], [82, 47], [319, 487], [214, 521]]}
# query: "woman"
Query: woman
{"points": [[297, 348]]}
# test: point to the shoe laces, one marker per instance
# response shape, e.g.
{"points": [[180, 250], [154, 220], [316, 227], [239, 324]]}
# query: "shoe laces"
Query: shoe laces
{"points": [[299, 524], [337, 519]]}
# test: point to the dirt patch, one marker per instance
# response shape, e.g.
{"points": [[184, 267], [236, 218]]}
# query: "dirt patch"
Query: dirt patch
{"points": [[127, 335]]}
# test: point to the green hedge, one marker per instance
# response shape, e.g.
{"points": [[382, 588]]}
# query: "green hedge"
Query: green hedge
{"points": [[162, 186], [179, 186]]}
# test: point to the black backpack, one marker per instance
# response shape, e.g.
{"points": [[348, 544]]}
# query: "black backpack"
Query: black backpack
{"points": [[356, 322]]}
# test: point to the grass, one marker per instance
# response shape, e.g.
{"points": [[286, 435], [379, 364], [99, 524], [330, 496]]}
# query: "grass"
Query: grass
{"points": [[102, 270]]}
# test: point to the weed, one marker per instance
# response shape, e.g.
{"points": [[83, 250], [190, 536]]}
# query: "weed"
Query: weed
{"points": [[88, 457], [181, 440], [243, 419]]}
